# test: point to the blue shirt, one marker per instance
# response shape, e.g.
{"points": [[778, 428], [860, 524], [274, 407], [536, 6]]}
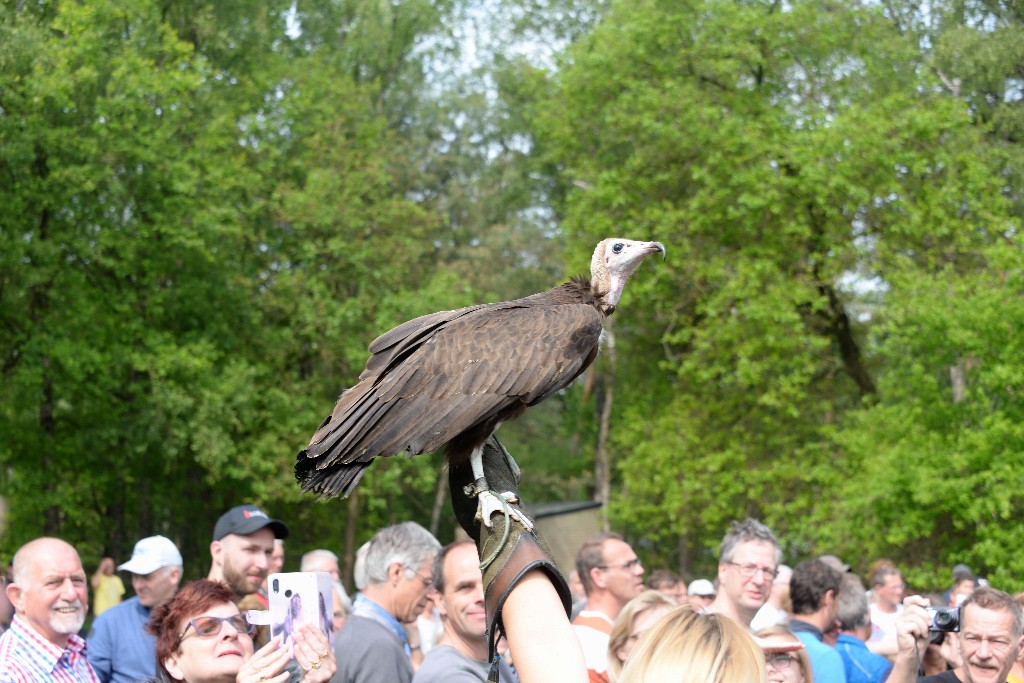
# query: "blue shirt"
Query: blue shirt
{"points": [[27, 657], [826, 664], [862, 665], [120, 650]]}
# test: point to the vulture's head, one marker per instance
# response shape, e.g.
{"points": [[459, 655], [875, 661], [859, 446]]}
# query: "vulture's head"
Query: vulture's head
{"points": [[613, 262]]}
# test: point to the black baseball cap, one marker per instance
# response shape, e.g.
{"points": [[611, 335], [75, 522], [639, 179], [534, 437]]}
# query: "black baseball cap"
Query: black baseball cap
{"points": [[247, 519]]}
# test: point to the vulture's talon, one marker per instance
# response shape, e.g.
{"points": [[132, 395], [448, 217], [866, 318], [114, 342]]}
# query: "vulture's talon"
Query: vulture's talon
{"points": [[490, 503]]}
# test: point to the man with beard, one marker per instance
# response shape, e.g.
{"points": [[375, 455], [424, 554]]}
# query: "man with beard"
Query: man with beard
{"points": [[241, 553], [50, 598], [990, 639], [814, 589], [460, 655], [120, 648], [372, 646]]}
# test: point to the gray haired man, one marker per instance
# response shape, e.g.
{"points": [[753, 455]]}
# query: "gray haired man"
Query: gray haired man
{"points": [[748, 560], [372, 646]]}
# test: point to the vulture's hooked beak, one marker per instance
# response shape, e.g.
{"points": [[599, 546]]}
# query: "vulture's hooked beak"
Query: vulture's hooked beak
{"points": [[658, 246]]}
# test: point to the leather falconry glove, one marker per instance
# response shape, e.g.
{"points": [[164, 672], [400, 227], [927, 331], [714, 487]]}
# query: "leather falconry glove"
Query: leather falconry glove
{"points": [[508, 549]]}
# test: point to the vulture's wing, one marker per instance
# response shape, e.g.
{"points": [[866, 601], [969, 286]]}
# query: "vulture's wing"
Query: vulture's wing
{"points": [[437, 376], [397, 342]]}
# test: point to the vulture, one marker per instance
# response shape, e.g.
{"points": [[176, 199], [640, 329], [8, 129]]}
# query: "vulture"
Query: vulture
{"points": [[450, 379]]}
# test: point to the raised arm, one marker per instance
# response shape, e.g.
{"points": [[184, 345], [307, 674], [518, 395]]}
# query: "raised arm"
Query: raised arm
{"points": [[912, 638], [526, 597]]}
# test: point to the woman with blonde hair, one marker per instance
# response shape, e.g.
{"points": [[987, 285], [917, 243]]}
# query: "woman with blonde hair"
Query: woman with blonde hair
{"points": [[637, 616], [784, 667], [688, 647]]}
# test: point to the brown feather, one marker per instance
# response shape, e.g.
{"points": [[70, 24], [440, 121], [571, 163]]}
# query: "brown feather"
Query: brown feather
{"points": [[449, 379]]}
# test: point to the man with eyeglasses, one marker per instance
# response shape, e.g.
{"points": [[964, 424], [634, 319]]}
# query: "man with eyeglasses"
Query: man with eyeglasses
{"points": [[50, 594], [373, 645], [612, 575], [990, 640], [748, 559], [120, 649], [814, 590]]}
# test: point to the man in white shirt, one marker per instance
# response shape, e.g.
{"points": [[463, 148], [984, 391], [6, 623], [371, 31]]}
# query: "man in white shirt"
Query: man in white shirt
{"points": [[612, 575]]}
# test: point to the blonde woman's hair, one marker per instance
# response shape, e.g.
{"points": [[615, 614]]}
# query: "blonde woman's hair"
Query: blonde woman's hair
{"points": [[801, 655], [622, 629], [686, 646]]}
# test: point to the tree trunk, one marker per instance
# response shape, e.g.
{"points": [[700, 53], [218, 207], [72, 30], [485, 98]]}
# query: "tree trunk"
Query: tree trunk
{"points": [[351, 522], [440, 495], [602, 457], [683, 550]]}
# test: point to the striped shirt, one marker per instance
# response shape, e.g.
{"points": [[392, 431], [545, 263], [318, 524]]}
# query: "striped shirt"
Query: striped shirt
{"points": [[27, 657]]}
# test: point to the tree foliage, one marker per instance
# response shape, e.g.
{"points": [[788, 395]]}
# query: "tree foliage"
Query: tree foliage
{"points": [[809, 175], [212, 208]]}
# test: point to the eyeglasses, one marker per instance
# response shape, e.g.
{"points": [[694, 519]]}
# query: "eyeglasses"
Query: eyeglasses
{"points": [[628, 566], [428, 581], [780, 661], [748, 571], [207, 627]]}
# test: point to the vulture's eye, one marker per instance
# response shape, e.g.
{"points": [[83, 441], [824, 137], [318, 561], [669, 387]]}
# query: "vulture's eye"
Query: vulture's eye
{"points": [[618, 247]]}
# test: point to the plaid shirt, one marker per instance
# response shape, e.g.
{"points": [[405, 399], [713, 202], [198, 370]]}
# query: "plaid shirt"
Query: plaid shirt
{"points": [[27, 657]]}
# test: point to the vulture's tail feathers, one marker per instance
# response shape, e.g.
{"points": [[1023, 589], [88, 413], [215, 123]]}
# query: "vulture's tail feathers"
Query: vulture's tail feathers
{"points": [[336, 481]]}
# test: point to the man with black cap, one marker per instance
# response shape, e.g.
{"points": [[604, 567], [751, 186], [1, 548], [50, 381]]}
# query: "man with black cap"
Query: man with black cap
{"points": [[120, 649], [243, 542]]}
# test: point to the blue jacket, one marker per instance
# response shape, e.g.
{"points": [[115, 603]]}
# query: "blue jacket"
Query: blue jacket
{"points": [[862, 665], [826, 664], [120, 650]]}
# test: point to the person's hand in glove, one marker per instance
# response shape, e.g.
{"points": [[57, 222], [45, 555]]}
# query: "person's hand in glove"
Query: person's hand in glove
{"points": [[525, 595]]}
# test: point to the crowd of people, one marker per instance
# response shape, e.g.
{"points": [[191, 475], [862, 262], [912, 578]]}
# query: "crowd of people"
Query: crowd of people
{"points": [[427, 613], [813, 623]]}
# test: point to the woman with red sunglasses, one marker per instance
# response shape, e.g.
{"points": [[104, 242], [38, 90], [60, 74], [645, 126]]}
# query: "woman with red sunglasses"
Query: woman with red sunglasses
{"points": [[202, 638]]}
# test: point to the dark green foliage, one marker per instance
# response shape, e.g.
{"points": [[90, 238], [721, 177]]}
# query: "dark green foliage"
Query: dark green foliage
{"points": [[210, 209], [809, 177]]}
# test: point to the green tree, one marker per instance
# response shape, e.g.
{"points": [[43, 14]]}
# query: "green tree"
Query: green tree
{"points": [[799, 165], [190, 265]]}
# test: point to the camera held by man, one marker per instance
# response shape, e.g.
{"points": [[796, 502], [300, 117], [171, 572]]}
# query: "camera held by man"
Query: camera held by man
{"points": [[943, 619]]}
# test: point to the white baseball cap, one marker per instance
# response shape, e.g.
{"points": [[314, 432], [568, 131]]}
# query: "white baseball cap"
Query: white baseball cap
{"points": [[701, 587], [151, 554]]}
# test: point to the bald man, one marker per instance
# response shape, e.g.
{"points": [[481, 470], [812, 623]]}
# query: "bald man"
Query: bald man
{"points": [[50, 597]]}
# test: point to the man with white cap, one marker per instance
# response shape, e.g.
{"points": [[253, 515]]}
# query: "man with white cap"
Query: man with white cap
{"points": [[120, 649], [701, 593]]}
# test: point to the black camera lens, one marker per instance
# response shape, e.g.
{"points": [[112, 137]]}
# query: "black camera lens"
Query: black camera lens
{"points": [[944, 618]]}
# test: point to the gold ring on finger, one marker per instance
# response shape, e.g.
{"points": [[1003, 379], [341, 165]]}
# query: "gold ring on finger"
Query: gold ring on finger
{"points": [[315, 664], [323, 654]]}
